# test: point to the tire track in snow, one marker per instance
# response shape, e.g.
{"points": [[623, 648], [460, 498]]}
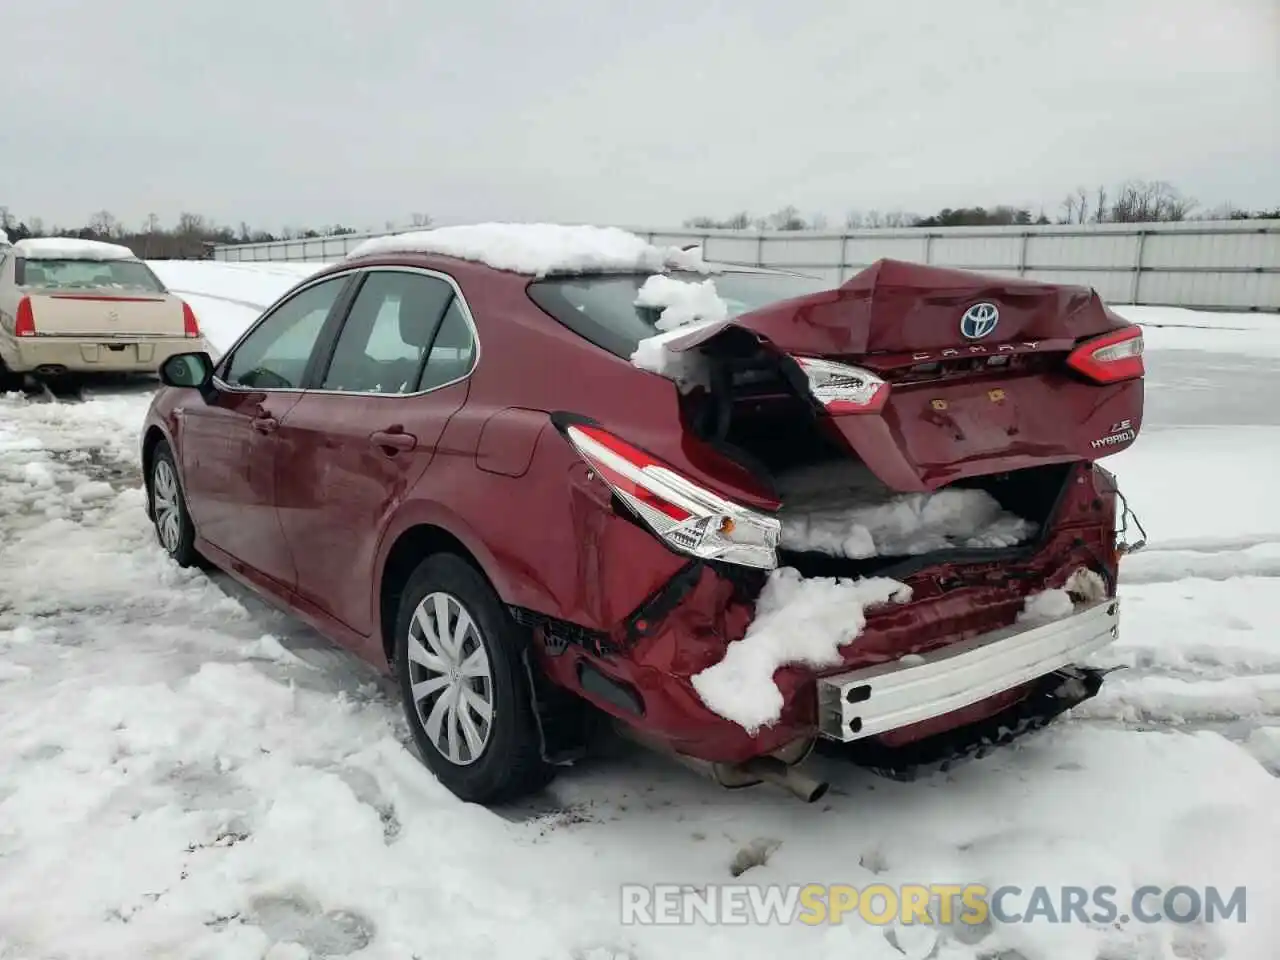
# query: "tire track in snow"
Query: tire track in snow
{"points": [[1213, 561], [1198, 649], [247, 304]]}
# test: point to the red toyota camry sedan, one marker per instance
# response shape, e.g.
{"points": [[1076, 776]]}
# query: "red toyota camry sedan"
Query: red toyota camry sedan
{"points": [[548, 476]]}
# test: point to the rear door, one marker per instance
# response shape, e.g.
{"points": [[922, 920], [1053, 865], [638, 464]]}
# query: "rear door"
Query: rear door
{"points": [[229, 444], [355, 444]]}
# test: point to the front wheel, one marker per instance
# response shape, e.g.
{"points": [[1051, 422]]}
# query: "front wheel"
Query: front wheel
{"points": [[173, 524], [465, 691]]}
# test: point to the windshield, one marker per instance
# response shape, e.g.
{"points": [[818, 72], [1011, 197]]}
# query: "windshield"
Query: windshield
{"points": [[602, 308], [87, 275]]}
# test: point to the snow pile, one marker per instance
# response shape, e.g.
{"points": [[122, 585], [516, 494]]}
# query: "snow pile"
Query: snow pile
{"points": [[870, 522], [71, 248], [1083, 586], [799, 620], [682, 302], [685, 307], [1046, 606], [538, 248]]}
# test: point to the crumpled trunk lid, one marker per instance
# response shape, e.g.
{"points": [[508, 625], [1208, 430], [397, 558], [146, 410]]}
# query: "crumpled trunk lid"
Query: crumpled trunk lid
{"points": [[976, 366]]}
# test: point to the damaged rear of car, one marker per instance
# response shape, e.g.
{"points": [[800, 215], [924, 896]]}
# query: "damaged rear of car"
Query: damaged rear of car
{"points": [[887, 528]]}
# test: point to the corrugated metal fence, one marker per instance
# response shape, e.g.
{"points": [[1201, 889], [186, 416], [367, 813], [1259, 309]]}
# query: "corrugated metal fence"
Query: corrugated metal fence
{"points": [[1230, 265]]}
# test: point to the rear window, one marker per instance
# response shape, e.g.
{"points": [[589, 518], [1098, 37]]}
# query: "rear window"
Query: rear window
{"points": [[602, 309], [87, 275]]}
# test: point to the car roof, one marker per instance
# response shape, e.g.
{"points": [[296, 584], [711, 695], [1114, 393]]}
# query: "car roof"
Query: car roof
{"points": [[71, 248]]}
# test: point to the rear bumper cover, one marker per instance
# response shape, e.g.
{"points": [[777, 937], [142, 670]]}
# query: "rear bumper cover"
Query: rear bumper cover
{"points": [[90, 354], [873, 700]]}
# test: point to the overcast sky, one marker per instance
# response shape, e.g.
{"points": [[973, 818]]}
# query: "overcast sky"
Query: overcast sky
{"points": [[303, 112]]}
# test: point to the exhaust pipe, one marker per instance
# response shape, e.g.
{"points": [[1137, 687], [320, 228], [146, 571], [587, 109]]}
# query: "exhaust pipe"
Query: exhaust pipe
{"points": [[792, 779], [767, 769]]}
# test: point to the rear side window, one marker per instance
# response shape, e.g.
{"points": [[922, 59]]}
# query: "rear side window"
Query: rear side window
{"points": [[385, 340], [602, 308], [87, 275], [453, 351]]}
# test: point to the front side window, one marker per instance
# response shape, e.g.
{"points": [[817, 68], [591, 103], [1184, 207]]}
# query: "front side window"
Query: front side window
{"points": [[388, 334], [274, 355], [88, 275]]}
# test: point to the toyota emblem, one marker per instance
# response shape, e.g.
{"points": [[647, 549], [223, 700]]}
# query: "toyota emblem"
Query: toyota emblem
{"points": [[979, 320]]}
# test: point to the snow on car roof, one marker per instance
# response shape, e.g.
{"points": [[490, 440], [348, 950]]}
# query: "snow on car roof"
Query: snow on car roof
{"points": [[71, 248], [539, 248]]}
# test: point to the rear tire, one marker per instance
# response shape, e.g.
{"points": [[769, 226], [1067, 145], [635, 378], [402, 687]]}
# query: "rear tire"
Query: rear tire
{"points": [[462, 680], [8, 379], [169, 514]]}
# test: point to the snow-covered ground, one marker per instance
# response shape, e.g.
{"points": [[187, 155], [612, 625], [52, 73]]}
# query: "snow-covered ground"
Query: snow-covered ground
{"points": [[184, 774], [227, 297]]}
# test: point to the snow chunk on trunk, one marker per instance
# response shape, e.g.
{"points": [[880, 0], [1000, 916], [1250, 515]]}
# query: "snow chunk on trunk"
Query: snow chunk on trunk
{"points": [[685, 307], [903, 524], [70, 248], [798, 620], [1083, 586], [1046, 607], [539, 248]]}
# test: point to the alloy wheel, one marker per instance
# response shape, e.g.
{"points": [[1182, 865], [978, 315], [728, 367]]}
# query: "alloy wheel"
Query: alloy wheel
{"points": [[166, 505], [450, 679]]}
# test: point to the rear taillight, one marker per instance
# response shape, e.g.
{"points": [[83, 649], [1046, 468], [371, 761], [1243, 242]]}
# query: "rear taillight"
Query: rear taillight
{"points": [[685, 516], [24, 322], [842, 389], [1111, 357], [189, 326]]}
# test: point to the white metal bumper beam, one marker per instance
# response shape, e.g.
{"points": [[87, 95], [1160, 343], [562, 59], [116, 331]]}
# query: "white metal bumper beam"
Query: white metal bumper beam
{"points": [[862, 703]]}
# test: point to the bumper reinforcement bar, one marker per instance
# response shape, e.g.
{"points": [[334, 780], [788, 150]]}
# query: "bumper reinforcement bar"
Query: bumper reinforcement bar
{"points": [[863, 703]]}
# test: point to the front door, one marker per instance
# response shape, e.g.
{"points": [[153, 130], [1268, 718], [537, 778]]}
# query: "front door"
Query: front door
{"points": [[229, 444], [353, 447]]}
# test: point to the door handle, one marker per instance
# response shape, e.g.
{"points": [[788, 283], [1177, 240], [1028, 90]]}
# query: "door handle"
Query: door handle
{"points": [[265, 424], [393, 441]]}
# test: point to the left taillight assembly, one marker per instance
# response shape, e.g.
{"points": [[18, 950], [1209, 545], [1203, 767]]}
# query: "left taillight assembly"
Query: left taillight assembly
{"points": [[842, 388], [1110, 358], [24, 321], [683, 514], [190, 328]]}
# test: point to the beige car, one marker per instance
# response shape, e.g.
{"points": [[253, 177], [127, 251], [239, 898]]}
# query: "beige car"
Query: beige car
{"points": [[72, 307]]}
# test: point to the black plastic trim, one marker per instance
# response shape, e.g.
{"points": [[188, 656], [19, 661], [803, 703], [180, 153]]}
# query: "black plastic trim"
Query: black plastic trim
{"points": [[614, 692]]}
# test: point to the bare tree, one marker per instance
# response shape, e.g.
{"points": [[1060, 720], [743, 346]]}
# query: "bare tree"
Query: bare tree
{"points": [[104, 223], [420, 220], [874, 220], [6, 219], [819, 221], [899, 218], [37, 226], [1148, 201], [191, 224], [853, 220], [1100, 206], [788, 218]]}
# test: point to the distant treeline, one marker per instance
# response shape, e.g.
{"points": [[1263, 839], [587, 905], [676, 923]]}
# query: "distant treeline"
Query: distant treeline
{"points": [[194, 235], [1138, 201]]}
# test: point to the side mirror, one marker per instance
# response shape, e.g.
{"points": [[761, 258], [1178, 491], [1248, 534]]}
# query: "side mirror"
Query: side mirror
{"points": [[189, 370]]}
